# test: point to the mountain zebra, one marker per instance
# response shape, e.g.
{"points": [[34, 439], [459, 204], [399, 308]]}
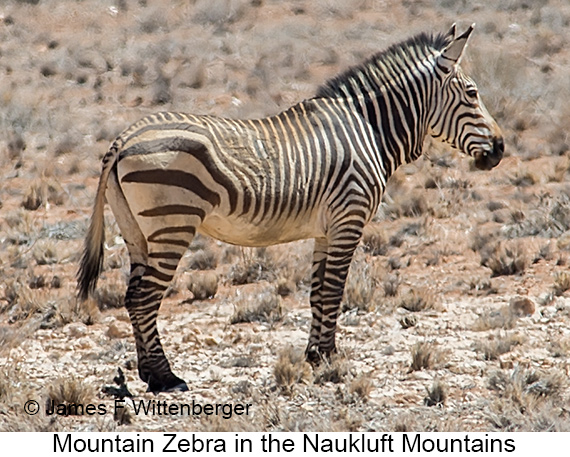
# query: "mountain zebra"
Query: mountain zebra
{"points": [[316, 170]]}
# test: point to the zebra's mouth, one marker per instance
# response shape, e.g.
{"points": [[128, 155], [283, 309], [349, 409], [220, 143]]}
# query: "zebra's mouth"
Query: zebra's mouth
{"points": [[486, 160]]}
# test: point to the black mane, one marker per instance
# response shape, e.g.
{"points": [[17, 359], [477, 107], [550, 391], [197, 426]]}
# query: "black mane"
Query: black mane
{"points": [[375, 69]]}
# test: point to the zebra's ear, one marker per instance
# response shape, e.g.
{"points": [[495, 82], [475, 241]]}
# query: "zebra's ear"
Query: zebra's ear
{"points": [[451, 55], [451, 33]]}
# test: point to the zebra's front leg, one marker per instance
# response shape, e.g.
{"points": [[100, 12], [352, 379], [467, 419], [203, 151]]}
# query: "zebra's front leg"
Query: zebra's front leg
{"points": [[330, 269], [317, 278], [144, 294]]}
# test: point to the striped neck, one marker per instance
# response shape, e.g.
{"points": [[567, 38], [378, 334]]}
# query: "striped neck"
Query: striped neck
{"points": [[392, 91]]}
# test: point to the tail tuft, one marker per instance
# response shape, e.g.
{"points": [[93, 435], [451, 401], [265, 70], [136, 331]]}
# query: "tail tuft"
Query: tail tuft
{"points": [[92, 259]]}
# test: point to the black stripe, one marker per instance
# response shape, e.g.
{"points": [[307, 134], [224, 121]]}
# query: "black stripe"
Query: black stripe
{"points": [[175, 178], [189, 229], [168, 210]]}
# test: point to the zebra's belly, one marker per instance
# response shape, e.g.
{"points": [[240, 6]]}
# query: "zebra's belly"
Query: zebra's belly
{"points": [[240, 231]]}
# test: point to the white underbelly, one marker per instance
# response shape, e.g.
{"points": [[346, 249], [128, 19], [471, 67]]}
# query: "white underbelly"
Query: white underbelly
{"points": [[239, 231]]}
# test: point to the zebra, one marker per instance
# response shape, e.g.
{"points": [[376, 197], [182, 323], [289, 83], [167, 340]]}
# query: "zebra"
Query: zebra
{"points": [[316, 170]]}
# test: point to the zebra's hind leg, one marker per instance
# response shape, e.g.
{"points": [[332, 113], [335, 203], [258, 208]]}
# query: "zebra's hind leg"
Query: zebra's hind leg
{"points": [[331, 262], [146, 289]]}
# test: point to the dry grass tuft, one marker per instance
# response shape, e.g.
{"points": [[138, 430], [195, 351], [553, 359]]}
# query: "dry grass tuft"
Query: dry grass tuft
{"points": [[71, 392], [375, 239], [493, 347], [426, 355], [203, 285], [522, 382], [360, 286], [437, 394], [204, 259], [263, 307], [561, 283], [34, 198], [506, 258], [417, 300], [253, 266], [335, 370], [292, 368], [390, 285], [408, 321], [361, 386], [505, 318]]}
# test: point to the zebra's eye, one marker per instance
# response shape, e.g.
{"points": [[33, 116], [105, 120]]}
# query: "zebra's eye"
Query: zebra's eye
{"points": [[471, 93]]}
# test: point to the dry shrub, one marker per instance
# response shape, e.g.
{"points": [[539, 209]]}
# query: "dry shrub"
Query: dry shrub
{"points": [[109, 295], [558, 348], [254, 265], [426, 355], [405, 203], [24, 302], [70, 391], [492, 347], [46, 252], [437, 394], [375, 240], [292, 368], [523, 381], [360, 285], [506, 258], [390, 285], [203, 285], [334, 369], [203, 260], [503, 318], [417, 300], [361, 386], [561, 283], [263, 307]]}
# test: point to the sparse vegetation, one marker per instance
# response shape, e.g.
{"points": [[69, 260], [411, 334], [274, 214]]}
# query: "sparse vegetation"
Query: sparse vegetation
{"points": [[292, 368], [493, 347], [70, 392], [264, 307], [437, 394], [204, 285], [506, 258], [417, 300], [426, 356]]}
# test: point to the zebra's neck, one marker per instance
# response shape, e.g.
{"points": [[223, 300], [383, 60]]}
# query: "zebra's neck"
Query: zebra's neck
{"points": [[392, 91]]}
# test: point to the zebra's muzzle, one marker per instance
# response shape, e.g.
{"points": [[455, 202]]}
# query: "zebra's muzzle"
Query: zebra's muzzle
{"points": [[487, 160]]}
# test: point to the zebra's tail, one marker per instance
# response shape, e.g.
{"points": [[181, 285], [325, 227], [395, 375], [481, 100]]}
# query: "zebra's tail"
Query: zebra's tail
{"points": [[92, 258]]}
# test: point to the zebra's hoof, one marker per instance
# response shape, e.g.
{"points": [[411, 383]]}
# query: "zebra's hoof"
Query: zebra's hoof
{"points": [[182, 387], [313, 356], [172, 385]]}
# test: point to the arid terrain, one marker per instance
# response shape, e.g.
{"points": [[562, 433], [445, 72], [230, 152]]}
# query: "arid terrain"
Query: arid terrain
{"points": [[457, 309]]}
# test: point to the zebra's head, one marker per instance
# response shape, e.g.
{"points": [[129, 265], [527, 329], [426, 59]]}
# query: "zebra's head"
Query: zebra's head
{"points": [[459, 116]]}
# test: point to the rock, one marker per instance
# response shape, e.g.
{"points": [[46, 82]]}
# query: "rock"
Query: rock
{"points": [[522, 306], [75, 329], [118, 329]]}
